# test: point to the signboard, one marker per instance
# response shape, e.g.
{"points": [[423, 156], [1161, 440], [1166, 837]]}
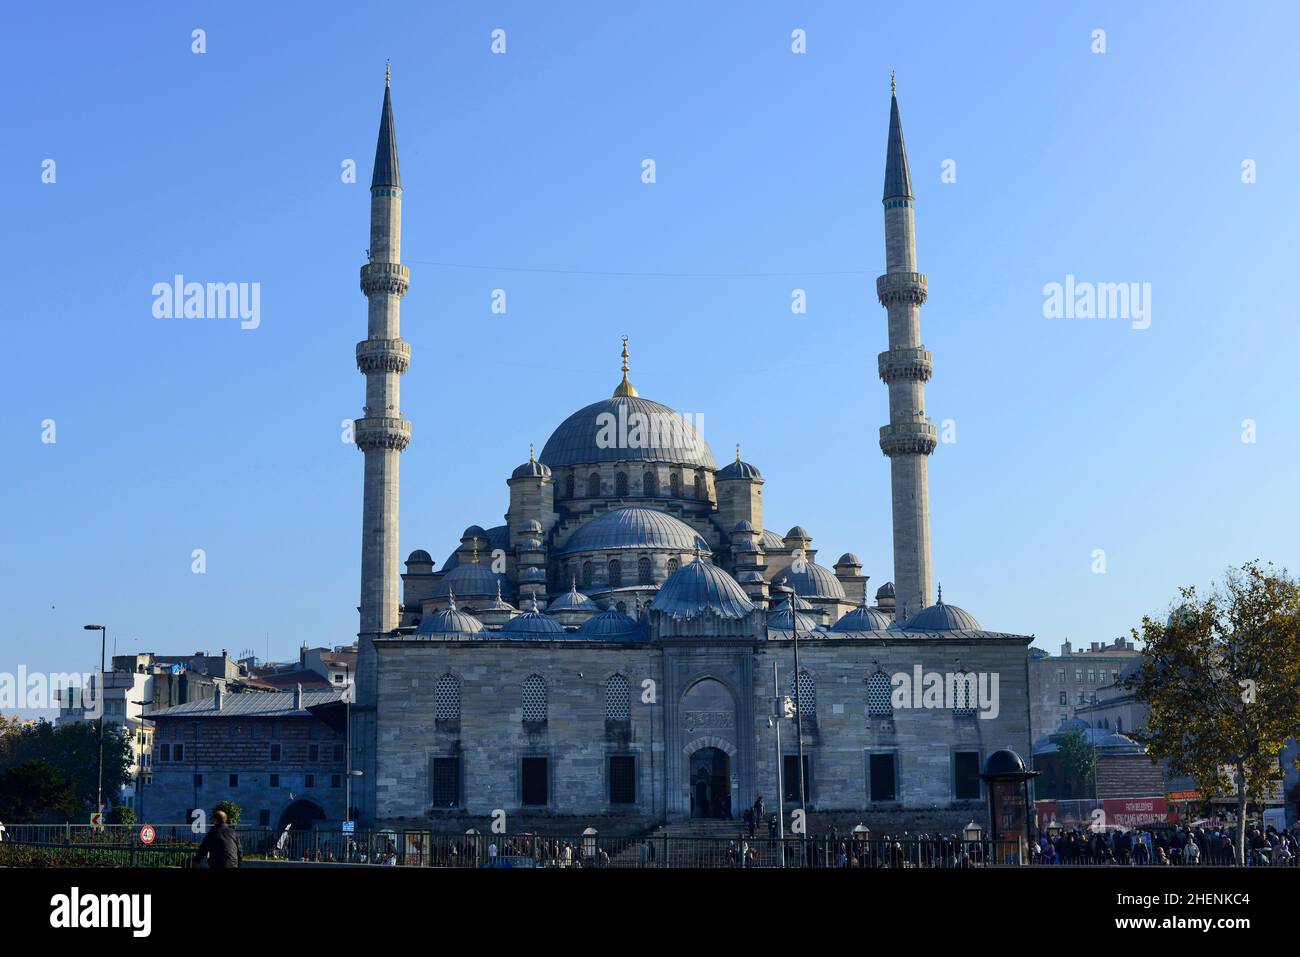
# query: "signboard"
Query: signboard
{"points": [[97, 821], [1136, 812], [349, 827], [1123, 813], [147, 834]]}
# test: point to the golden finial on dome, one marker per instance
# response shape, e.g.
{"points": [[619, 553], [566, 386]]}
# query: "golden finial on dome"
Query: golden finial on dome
{"points": [[475, 549], [625, 388]]}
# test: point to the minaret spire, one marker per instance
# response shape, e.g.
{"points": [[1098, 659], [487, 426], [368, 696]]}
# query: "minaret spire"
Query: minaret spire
{"points": [[625, 388], [381, 434], [905, 367]]}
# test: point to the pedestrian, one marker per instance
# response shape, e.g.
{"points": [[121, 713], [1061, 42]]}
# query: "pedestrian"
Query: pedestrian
{"points": [[220, 846]]}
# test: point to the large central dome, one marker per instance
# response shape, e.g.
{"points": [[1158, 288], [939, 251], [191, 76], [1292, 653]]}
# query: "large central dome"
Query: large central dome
{"points": [[626, 428]]}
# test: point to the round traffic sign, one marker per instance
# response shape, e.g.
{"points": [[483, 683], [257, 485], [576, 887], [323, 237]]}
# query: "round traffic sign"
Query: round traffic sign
{"points": [[147, 834]]}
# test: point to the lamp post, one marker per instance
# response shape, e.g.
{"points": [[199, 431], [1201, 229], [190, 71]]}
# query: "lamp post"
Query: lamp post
{"points": [[798, 698], [775, 722], [99, 781]]}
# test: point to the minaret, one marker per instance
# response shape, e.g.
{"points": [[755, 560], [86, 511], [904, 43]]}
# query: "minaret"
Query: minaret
{"points": [[381, 434], [909, 437]]}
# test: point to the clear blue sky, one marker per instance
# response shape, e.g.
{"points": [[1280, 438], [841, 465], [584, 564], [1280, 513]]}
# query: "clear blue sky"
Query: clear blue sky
{"points": [[1072, 435]]}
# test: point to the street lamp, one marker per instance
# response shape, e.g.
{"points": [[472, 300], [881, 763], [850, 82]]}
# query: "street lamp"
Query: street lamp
{"points": [[793, 598], [99, 783]]}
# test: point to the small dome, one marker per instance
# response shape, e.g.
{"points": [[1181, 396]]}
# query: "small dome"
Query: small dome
{"points": [[531, 527], [497, 537], [533, 575], [468, 581], [799, 603], [1004, 762], [778, 619], [611, 624], [532, 624], [636, 527], [848, 558], [771, 539], [798, 532], [740, 470], [572, 600], [449, 622], [885, 591], [746, 527], [701, 588], [750, 578], [531, 469], [419, 557], [811, 581], [863, 618], [472, 532], [941, 617]]}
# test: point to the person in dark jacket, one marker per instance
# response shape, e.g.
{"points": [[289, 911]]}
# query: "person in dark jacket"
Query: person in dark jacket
{"points": [[220, 847]]}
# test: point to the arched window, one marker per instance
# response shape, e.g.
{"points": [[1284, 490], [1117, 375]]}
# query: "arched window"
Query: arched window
{"points": [[586, 573], [615, 573], [649, 484], [620, 484], [805, 694], [699, 486], [878, 703], [618, 699], [644, 574], [568, 485], [672, 565], [446, 698], [534, 698], [963, 694], [593, 485], [675, 483]]}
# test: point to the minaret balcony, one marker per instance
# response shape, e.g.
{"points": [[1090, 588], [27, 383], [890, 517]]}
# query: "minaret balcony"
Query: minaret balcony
{"points": [[906, 363], [383, 355], [909, 438], [388, 278], [382, 433], [908, 287]]}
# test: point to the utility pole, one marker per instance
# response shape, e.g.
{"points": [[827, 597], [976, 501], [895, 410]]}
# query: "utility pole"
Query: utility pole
{"points": [[99, 781]]}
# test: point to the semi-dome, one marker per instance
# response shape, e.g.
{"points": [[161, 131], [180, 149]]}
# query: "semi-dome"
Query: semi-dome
{"points": [[468, 581], [863, 618], [612, 625], [449, 622], [626, 428], [811, 580], [701, 588], [497, 537], [635, 527], [941, 617]]}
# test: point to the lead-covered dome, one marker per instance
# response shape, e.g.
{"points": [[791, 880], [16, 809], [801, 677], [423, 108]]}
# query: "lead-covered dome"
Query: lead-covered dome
{"points": [[863, 618], [811, 580], [471, 580], [611, 625], [448, 622], [701, 588], [635, 527], [941, 617], [626, 428]]}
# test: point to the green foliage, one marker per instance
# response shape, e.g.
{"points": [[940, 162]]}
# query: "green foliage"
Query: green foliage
{"points": [[73, 750], [1221, 681], [121, 815], [34, 791], [232, 811], [1077, 760]]}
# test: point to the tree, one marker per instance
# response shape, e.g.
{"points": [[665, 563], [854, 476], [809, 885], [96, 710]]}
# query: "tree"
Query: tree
{"points": [[1077, 759], [72, 749], [232, 811], [121, 815], [33, 790], [1221, 681]]}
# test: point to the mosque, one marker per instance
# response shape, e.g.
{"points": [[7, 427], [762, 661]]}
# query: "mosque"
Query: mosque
{"points": [[618, 646]]}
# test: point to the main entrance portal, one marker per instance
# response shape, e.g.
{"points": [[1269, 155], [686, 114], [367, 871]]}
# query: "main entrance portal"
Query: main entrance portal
{"points": [[710, 783]]}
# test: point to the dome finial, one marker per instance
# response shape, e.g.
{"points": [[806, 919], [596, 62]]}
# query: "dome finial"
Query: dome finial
{"points": [[939, 600], [475, 549], [451, 600], [498, 591], [388, 73], [531, 458], [737, 452], [625, 388]]}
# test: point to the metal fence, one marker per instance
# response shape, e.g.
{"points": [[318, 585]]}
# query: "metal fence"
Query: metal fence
{"points": [[176, 845]]}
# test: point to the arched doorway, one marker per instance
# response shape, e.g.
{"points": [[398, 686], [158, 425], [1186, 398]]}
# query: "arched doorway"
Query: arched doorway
{"points": [[301, 814], [710, 776]]}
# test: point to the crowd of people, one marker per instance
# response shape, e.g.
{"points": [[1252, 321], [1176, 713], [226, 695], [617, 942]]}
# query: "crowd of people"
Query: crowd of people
{"points": [[1177, 846]]}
